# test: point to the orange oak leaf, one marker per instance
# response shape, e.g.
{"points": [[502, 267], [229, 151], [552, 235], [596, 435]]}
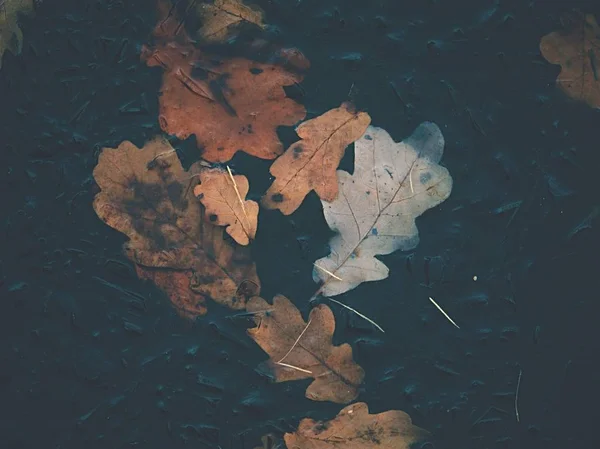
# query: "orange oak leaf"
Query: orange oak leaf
{"points": [[222, 194], [148, 196], [300, 350], [355, 428], [229, 105], [311, 163], [577, 49], [221, 18]]}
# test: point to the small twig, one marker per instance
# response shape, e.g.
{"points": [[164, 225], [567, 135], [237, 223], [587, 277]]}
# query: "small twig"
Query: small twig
{"points": [[237, 192], [358, 313], [328, 272], [294, 367], [296, 342], [517, 396], [444, 313]]}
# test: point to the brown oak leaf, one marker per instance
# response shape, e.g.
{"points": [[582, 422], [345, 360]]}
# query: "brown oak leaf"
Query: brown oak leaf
{"points": [[148, 196], [300, 350], [222, 194], [577, 49], [229, 105], [221, 18], [355, 428], [311, 163]]}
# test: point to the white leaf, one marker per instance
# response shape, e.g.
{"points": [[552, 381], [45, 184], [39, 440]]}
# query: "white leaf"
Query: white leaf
{"points": [[375, 211]]}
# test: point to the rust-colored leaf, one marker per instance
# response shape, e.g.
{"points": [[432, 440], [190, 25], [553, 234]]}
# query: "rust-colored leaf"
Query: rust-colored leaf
{"points": [[311, 163], [176, 284], [577, 49], [223, 195], [300, 350], [221, 18], [11, 36], [355, 428], [230, 105], [148, 196]]}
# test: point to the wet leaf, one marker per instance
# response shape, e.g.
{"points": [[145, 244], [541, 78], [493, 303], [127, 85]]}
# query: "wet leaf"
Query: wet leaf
{"points": [[577, 49], [311, 163], [221, 19], [230, 105], [301, 350], [148, 196], [11, 36], [355, 428], [223, 195], [374, 214]]}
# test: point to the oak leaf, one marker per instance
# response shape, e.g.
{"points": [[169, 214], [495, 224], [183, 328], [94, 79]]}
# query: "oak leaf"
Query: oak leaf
{"points": [[300, 350], [355, 428], [374, 214], [11, 36], [577, 49], [311, 163], [221, 18], [229, 105], [222, 194], [148, 196]]}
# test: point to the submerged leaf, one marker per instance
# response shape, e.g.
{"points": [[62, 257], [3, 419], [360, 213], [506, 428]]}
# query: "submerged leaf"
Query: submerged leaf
{"points": [[300, 350], [311, 163], [577, 50], [221, 18], [355, 428], [148, 196], [223, 196], [374, 214], [11, 36], [230, 105]]}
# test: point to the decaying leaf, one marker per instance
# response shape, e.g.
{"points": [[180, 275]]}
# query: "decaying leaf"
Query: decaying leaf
{"points": [[148, 196], [223, 195], [221, 18], [270, 441], [355, 428], [230, 105], [374, 214], [311, 163], [301, 350], [11, 36], [577, 49]]}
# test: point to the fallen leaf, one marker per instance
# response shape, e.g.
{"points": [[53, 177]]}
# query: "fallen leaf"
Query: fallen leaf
{"points": [[311, 163], [11, 36], [374, 214], [355, 428], [222, 194], [221, 18], [270, 441], [230, 105], [577, 49], [148, 196], [299, 350]]}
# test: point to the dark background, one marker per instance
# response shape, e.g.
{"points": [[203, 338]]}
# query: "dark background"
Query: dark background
{"points": [[72, 375]]}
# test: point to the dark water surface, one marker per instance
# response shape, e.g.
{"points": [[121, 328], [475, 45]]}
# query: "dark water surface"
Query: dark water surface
{"points": [[71, 373]]}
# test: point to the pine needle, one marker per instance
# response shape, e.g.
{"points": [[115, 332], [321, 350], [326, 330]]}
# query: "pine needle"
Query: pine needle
{"points": [[517, 396], [296, 342], [444, 313], [328, 272], [237, 192], [294, 367], [358, 313]]}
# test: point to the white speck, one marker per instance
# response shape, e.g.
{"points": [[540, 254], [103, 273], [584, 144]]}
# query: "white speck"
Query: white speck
{"points": [[475, 277]]}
